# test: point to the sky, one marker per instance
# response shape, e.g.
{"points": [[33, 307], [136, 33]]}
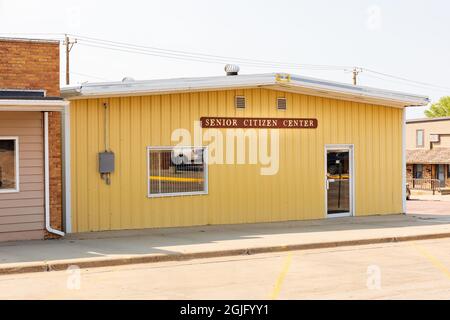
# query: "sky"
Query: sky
{"points": [[408, 39]]}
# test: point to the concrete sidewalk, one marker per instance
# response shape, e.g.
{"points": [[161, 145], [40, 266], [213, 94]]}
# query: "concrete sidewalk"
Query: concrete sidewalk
{"points": [[430, 197], [144, 246]]}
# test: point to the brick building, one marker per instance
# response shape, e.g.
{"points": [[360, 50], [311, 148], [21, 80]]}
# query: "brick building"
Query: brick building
{"points": [[31, 140]]}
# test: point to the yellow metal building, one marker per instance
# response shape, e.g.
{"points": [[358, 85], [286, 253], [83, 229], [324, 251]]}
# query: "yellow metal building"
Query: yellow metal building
{"points": [[358, 144]]}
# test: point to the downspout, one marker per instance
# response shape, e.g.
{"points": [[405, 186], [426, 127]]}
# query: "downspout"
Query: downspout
{"points": [[404, 160], [47, 181], [66, 170]]}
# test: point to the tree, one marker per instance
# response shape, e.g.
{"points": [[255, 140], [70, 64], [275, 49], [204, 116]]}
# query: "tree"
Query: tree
{"points": [[439, 109]]}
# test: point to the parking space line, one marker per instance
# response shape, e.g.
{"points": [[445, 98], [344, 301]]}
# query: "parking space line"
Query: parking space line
{"points": [[433, 260], [281, 276]]}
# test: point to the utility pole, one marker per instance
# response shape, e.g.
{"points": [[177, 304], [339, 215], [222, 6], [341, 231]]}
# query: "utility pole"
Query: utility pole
{"points": [[355, 72], [69, 44]]}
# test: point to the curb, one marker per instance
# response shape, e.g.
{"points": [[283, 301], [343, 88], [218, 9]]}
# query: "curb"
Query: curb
{"points": [[48, 266]]}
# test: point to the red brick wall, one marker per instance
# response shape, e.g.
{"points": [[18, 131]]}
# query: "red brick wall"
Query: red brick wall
{"points": [[426, 174], [409, 172], [31, 64]]}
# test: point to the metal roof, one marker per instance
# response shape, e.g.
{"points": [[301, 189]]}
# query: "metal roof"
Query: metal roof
{"points": [[274, 81]]}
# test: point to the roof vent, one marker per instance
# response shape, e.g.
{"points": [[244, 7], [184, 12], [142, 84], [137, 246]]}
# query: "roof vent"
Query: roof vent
{"points": [[232, 69], [281, 103], [239, 102], [128, 79]]}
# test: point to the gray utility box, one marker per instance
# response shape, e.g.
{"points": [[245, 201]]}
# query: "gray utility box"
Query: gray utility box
{"points": [[106, 162]]}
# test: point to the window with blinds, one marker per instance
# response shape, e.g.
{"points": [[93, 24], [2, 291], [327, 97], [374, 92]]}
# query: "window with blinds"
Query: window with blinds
{"points": [[176, 171], [9, 165]]}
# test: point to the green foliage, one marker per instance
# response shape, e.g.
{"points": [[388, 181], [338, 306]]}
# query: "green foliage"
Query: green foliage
{"points": [[439, 109]]}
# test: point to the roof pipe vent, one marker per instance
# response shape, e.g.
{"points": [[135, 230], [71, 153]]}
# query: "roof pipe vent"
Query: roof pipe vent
{"points": [[232, 69]]}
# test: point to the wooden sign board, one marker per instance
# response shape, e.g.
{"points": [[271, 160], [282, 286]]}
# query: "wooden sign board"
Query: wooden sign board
{"points": [[258, 123]]}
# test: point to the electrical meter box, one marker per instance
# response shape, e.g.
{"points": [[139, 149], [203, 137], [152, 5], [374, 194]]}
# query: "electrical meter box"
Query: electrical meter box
{"points": [[106, 162]]}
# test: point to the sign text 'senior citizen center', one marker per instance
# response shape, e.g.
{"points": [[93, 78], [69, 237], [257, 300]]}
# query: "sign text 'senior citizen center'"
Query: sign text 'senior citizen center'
{"points": [[276, 123]]}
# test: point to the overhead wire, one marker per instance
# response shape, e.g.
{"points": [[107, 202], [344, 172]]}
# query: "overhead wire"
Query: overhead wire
{"points": [[194, 58], [210, 58], [88, 75], [198, 55], [418, 83], [399, 82], [182, 55]]}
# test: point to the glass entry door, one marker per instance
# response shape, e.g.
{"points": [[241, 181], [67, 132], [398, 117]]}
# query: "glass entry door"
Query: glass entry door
{"points": [[339, 181]]}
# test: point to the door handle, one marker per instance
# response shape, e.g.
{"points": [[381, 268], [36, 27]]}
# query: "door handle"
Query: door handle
{"points": [[328, 182]]}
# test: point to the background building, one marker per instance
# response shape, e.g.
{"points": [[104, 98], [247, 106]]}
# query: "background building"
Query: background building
{"points": [[428, 153]]}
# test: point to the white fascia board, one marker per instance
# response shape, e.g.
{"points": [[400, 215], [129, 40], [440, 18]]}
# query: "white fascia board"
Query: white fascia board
{"points": [[166, 86], [110, 89], [32, 105], [363, 92]]}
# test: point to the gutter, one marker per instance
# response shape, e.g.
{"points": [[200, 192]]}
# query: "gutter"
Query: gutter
{"points": [[362, 92], [66, 170], [47, 181], [404, 161], [69, 92]]}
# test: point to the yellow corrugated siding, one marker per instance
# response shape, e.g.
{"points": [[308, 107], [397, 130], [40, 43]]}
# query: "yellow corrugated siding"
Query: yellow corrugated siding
{"points": [[237, 193]]}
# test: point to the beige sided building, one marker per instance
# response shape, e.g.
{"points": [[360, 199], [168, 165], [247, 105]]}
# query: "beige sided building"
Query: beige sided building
{"points": [[428, 151]]}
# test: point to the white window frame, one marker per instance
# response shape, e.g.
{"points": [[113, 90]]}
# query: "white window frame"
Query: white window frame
{"points": [[422, 145], [16, 155], [178, 194]]}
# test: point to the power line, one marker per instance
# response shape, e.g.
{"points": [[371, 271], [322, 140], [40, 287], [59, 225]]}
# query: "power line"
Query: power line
{"points": [[192, 57], [424, 84], [145, 53], [216, 59], [69, 45], [178, 57], [209, 58], [395, 81], [89, 76], [355, 73], [204, 55]]}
